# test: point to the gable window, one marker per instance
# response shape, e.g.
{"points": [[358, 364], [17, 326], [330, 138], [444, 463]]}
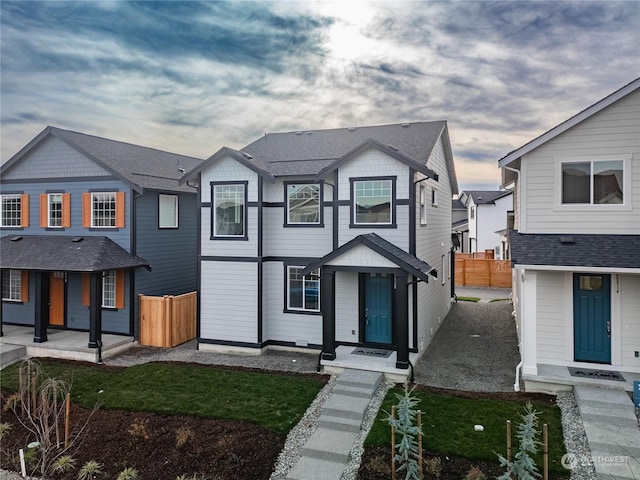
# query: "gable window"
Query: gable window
{"points": [[229, 216], [167, 211], [423, 204], [372, 201], [303, 292], [15, 210], [594, 183], [15, 285], [303, 204], [103, 210]]}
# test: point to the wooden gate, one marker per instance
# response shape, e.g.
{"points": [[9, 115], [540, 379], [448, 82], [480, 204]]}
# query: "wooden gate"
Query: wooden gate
{"points": [[167, 321]]}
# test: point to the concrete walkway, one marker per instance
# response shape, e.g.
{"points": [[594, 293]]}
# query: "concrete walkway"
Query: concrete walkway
{"points": [[326, 453], [612, 431]]}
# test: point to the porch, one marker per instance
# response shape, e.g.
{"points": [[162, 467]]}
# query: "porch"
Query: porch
{"points": [[557, 378], [347, 359], [17, 342]]}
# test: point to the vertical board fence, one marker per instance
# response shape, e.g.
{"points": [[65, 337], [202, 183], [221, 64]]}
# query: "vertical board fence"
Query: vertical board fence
{"points": [[167, 321], [482, 272]]}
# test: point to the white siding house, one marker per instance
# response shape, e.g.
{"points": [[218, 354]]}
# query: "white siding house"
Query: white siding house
{"points": [[576, 244], [327, 240]]}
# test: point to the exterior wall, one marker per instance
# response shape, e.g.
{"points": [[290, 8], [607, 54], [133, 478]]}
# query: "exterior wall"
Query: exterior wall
{"points": [[611, 134], [629, 322], [489, 219], [347, 308], [551, 323]]}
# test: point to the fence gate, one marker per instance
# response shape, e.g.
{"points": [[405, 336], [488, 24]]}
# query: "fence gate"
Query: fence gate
{"points": [[167, 321]]}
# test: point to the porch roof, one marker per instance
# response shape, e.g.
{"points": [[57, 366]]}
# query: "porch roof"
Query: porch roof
{"points": [[407, 262], [65, 253]]}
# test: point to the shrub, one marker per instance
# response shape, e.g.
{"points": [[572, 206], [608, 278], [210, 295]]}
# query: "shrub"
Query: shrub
{"points": [[184, 435], [139, 430], [90, 470], [128, 473], [475, 473], [523, 467], [408, 455]]}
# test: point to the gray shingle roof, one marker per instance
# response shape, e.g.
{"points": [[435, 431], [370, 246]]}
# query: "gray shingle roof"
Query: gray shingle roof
{"points": [[65, 253], [614, 251], [485, 197], [456, 204]]}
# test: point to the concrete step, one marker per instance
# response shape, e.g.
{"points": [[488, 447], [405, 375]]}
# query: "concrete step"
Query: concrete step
{"points": [[11, 353], [309, 468], [359, 378], [346, 406], [339, 423], [329, 444], [602, 396], [353, 391]]}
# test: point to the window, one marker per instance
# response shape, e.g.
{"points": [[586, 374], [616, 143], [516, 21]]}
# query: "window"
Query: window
{"points": [[595, 183], [13, 289], [423, 204], [113, 283], [168, 211], [303, 293], [15, 210], [473, 212], [434, 197], [55, 210], [372, 201], [303, 204], [443, 267], [109, 289], [103, 209], [229, 210]]}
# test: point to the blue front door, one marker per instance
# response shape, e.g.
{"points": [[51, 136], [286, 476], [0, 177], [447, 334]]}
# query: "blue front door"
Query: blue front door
{"points": [[592, 318], [378, 307]]}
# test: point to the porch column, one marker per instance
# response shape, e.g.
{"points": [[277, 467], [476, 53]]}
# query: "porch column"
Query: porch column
{"points": [[401, 325], [327, 294], [41, 319], [95, 310]]}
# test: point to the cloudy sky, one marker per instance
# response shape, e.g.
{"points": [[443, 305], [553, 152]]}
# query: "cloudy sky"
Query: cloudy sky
{"points": [[191, 77]]}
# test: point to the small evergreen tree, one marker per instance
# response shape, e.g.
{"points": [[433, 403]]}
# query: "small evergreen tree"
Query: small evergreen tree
{"points": [[405, 425], [523, 467]]}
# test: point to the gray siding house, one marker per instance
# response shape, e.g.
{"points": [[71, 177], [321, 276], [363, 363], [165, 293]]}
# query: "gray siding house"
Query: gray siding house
{"points": [[80, 215], [328, 240]]}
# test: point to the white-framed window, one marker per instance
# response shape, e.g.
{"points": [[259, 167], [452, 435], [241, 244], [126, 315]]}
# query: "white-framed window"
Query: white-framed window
{"points": [[54, 202], [167, 211], [443, 269], [109, 289], [597, 182], [423, 204], [11, 210], [372, 201], [472, 212], [303, 292], [303, 204], [434, 197], [103, 209], [12, 285], [229, 204]]}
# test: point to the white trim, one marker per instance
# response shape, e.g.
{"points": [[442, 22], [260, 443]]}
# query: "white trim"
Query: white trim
{"points": [[49, 209], [577, 269], [616, 321], [115, 209], [529, 323], [568, 316], [175, 206]]}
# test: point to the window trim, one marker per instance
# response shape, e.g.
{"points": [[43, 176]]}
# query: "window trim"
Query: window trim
{"points": [[423, 204], [434, 197], [23, 209], [287, 297], [245, 205], [443, 268], [49, 195], [352, 201], [18, 282], [87, 209], [320, 222], [176, 199]]}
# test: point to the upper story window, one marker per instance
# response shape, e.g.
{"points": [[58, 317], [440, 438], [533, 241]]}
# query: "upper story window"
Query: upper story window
{"points": [[14, 285], [167, 211], [55, 210], [103, 210], [15, 210], [472, 213], [229, 210], [303, 203], [594, 183], [434, 197], [303, 292], [372, 201], [423, 204]]}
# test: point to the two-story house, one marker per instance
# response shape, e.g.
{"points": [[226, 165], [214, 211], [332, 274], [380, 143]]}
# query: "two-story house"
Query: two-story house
{"points": [[328, 240], [576, 244], [80, 215]]}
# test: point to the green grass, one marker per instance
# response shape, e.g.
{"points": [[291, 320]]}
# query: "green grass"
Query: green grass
{"points": [[448, 426], [274, 401], [468, 299], [499, 300]]}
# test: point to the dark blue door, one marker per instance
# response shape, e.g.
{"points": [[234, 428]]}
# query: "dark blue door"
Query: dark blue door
{"points": [[378, 308], [592, 317]]}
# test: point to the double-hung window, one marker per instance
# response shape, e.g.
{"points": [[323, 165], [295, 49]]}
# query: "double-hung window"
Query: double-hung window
{"points": [[15, 210], [55, 210], [303, 204], [303, 292], [167, 211], [229, 210], [372, 201], [109, 289], [103, 209], [12, 286], [593, 183]]}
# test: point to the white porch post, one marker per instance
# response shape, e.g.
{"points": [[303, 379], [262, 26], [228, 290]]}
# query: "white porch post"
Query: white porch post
{"points": [[529, 313]]}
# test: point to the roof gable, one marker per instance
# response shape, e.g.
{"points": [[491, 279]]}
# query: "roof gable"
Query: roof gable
{"points": [[485, 197], [245, 159]]}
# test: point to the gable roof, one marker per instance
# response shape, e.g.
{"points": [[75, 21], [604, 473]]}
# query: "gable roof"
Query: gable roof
{"points": [[571, 122], [585, 250], [391, 252], [456, 204], [140, 167], [485, 197], [255, 164], [65, 253]]}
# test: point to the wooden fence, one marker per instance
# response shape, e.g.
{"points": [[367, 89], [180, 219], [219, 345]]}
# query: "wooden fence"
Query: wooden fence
{"points": [[167, 321], [481, 272]]}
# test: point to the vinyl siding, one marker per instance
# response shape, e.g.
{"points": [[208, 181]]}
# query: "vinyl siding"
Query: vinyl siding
{"points": [[613, 133], [551, 325], [347, 312], [228, 301], [296, 241], [362, 255], [630, 323]]}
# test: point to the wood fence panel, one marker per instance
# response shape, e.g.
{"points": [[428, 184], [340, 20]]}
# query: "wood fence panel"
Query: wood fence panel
{"points": [[152, 321], [477, 272], [167, 321], [501, 273], [460, 272], [481, 272], [183, 328]]}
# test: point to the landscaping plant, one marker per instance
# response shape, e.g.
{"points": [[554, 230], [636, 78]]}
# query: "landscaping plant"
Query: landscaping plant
{"points": [[523, 466], [407, 456]]}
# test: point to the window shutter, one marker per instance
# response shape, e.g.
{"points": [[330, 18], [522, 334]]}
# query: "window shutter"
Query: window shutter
{"points": [[86, 210], [120, 209], [24, 210], [86, 299], [44, 210], [24, 286], [119, 288], [66, 210]]}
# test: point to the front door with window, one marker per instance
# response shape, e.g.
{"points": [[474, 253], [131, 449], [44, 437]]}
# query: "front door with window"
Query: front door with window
{"points": [[56, 298], [592, 318], [378, 308]]}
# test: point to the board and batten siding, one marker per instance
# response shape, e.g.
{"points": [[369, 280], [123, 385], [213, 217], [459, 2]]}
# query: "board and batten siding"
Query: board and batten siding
{"points": [[228, 301], [611, 134], [551, 333], [630, 322]]}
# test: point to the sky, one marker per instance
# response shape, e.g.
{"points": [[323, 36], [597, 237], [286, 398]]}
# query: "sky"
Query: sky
{"points": [[192, 77]]}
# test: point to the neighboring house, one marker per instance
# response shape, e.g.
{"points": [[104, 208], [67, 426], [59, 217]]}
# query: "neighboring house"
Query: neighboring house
{"points": [[80, 215], [459, 226], [324, 238], [576, 244], [487, 216]]}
